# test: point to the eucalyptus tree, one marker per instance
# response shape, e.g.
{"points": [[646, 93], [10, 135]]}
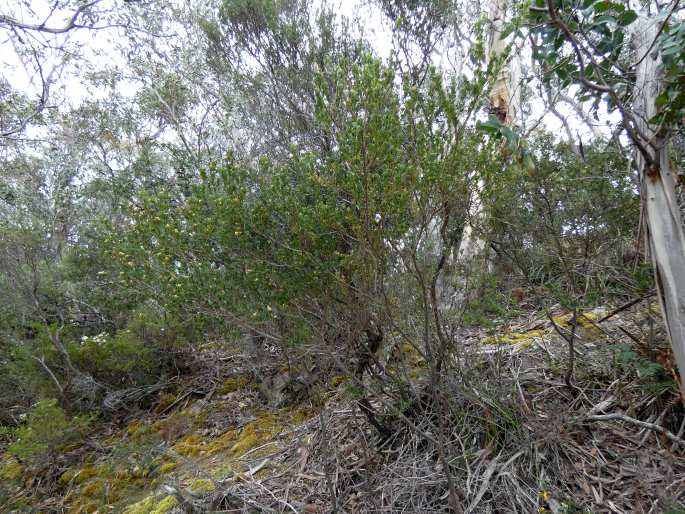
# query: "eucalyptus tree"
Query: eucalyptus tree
{"points": [[631, 61], [504, 104], [42, 42]]}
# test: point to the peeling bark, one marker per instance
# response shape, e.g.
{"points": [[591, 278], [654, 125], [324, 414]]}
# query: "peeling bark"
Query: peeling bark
{"points": [[663, 223], [505, 104]]}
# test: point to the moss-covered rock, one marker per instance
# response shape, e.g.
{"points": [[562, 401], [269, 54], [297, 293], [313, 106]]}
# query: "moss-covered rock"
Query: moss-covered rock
{"points": [[519, 340], [11, 470], [202, 486], [78, 475]]}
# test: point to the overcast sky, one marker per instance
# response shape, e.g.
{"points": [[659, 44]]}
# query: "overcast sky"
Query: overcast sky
{"points": [[97, 47]]}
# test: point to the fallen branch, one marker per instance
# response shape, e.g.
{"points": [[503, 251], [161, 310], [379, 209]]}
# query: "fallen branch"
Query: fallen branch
{"points": [[637, 422], [625, 306]]}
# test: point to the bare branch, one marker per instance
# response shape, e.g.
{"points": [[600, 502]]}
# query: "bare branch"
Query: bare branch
{"points": [[11, 22], [643, 424]]}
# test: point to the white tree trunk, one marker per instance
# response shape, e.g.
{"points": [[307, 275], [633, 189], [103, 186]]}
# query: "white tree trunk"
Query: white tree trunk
{"points": [[664, 226], [472, 245], [505, 97], [505, 102]]}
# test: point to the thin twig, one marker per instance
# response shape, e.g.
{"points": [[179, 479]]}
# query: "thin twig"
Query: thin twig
{"points": [[637, 422], [625, 306]]}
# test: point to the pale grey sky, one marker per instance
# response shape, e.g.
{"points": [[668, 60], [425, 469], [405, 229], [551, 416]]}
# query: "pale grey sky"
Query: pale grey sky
{"points": [[97, 47]]}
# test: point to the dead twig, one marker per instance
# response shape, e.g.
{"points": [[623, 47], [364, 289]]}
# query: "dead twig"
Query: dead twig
{"points": [[637, 422], [624, 307]]}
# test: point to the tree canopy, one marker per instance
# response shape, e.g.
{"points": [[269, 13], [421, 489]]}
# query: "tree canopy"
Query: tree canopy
{"points": [[457, 220]]}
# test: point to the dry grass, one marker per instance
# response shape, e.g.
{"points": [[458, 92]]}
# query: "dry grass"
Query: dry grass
{"points": [[517, 440], [501, 424]]}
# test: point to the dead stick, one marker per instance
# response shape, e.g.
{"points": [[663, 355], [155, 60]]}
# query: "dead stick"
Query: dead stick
{"points": [[624, 307], [643, 424]]}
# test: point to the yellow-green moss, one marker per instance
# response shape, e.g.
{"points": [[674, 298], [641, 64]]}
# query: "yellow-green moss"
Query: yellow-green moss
{"points": [[202, 485], [248, 439], [654, 309], [190, 446], [254, 434], [138, 472], [144, 506], [519, 340], [168, 467], [87, 507], [410, 355], [585, 320], [164, 506], [93, 489], [11, 470], [302, 415], [78, 476], [223, 472], [338, 379], [222, 443], [134, 427], [234, 383], [150, 505]]}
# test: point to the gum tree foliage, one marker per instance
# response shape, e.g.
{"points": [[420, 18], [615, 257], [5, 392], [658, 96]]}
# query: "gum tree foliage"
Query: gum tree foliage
{"points": [[42, 40], [630, 62]]}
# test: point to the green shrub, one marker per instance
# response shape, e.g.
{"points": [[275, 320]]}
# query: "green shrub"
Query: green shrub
{"points": [[46, 432], [121, 359], [149, 324], [22, 379], [489, 303]]}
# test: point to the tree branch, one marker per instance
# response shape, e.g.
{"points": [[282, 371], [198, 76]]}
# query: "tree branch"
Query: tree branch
{"points": [[643, 424], [11, 22]]}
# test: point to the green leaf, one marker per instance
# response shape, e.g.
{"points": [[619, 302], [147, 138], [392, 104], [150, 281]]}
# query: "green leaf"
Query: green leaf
{"points": [[627, 18], [603, 20], [661, 100], [671, 51], [508, 29], [492, 126], [602, 6], [510, 135], [605, 5]]}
